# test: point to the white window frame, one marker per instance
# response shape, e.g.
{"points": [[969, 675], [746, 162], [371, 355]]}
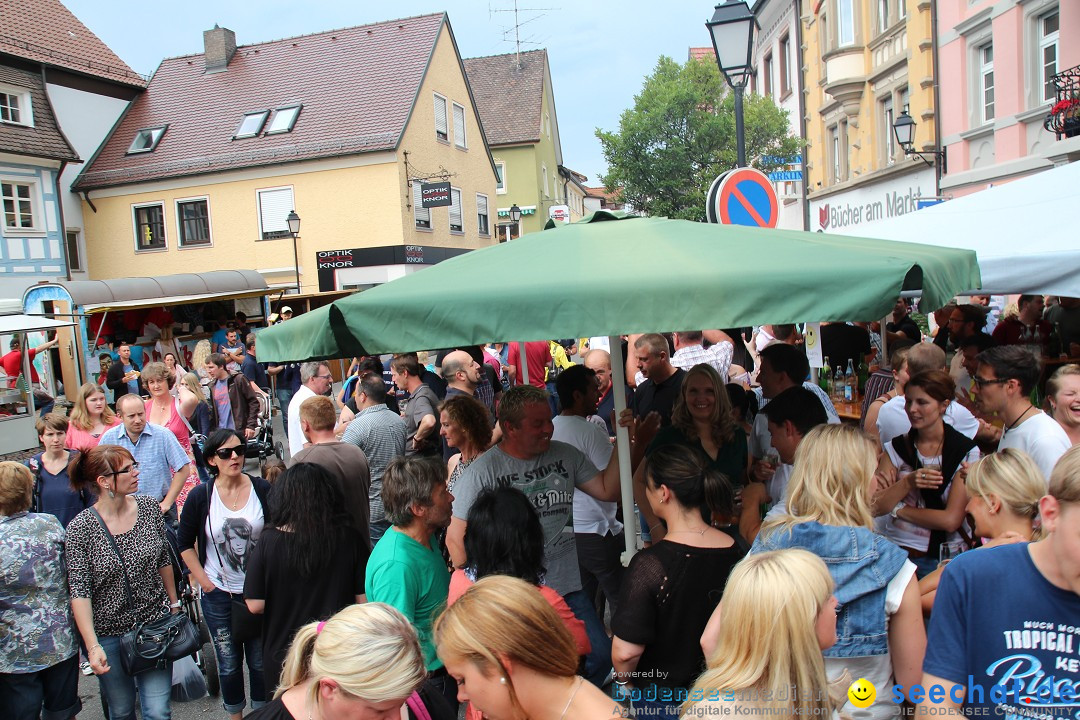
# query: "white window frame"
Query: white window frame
{"points": [[274, 128], [547, 189], [261, 116], [37, 206], [888, 116], [784, 65], [420, 213], [458, 208], [74, 254], [883, 15], [1047, 92], [180, 222], [901, 9], [156, 134], [135, 207], [845, 31], [461, 140], [26, 105], [486, 215], [259, 193], [985, 83], [500, 172], [441, 110]]}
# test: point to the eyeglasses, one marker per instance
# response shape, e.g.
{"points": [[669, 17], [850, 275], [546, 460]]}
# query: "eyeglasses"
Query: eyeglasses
{"points": [[325, 377], [133, 466], [226, 453], [983, 382]]}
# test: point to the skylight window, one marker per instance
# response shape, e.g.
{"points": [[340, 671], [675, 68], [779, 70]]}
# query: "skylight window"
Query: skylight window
{"points": [[252, 124], [284, 119], [147, 139]]}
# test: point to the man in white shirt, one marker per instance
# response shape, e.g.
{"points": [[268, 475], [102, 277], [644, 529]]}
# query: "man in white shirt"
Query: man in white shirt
{"points": [[1003, 384], [315, 379]]}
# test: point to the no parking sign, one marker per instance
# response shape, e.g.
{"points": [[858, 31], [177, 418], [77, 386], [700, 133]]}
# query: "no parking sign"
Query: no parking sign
{"points": [[743, 196]]}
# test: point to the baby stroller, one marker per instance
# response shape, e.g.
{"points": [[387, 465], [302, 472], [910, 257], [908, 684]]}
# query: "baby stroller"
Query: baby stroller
{"points": [[189, 604], [262, 445]]}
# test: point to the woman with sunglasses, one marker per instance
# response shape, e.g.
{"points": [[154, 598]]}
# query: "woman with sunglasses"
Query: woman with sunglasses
{"points": [[225, 518], [120, 575]]}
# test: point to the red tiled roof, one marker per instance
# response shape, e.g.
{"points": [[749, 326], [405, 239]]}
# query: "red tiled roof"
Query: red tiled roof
{"points": [[45, 31], [357, 87], [696, 53], [602, 192], [44, 139], [508, 95]]}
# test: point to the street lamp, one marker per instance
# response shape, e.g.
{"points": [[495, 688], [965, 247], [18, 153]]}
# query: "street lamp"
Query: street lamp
{"points": [[732, 28], [515, 218], [294, 228], [904, 129]]}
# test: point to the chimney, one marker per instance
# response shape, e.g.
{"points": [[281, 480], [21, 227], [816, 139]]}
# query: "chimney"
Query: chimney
{"points": [[220, 46]]}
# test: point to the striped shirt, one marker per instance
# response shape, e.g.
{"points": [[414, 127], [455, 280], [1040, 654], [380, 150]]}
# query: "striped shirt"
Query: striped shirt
{"points": [[380, 433]]}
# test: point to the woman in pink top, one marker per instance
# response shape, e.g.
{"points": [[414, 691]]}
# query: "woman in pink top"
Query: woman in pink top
{"points": [[90, 416], [165, 410]]}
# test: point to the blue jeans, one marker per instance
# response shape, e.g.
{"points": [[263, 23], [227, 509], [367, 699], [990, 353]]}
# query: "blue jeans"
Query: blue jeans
{"points": [[217, 609], [598, 661], [118, 688], [377, 528], [284, 397], [49, 694]]}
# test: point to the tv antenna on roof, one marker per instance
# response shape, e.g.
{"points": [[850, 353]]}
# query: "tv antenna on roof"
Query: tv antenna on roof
{"points": [[518, 24]]}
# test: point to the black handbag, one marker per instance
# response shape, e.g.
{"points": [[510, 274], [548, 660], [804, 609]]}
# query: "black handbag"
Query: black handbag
{"points": [[150, 645]]}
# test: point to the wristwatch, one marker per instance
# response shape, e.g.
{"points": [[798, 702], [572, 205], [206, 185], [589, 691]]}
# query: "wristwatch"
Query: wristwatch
{"points": [[896, 509], [175, 605]]}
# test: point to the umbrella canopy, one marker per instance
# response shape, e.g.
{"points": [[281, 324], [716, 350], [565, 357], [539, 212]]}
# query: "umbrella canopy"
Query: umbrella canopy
{"points": [[320, 334], [611, 275]]}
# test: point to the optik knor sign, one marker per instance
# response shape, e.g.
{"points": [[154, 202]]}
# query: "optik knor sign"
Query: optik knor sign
{"points": [[435, 195]]}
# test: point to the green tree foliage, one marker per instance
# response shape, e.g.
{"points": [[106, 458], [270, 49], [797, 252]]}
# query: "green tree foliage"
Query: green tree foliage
{"points": [[680, 135]]}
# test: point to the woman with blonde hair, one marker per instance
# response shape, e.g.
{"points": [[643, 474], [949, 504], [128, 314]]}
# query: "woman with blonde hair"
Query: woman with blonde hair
{"points": [[880, 628], [1003, 499], [1063, 394], [90, 416], [365, 661], [764, 641], [513, 657], [199, 356]]}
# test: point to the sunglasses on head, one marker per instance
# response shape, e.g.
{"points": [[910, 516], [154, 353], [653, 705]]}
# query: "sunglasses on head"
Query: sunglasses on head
{"points": [[226, 453]]}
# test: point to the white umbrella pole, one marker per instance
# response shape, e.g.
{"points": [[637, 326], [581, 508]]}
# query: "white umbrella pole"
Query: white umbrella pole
{"points": [[524, 379], [622, 442]]}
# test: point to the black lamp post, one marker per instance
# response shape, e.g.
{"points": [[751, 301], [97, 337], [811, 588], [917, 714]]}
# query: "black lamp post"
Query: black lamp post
{"points": [[732, 28], [515, 218], [294, 228], [904, 129]]}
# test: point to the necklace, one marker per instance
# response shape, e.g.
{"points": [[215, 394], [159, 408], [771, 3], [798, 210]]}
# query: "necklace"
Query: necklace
{"points": [[1017, 420], [572, 696], [234, 505], [699, 532]]}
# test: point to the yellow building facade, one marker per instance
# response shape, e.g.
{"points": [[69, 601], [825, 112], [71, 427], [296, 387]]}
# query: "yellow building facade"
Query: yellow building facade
{"points": [[864, 63], [347, 203]]}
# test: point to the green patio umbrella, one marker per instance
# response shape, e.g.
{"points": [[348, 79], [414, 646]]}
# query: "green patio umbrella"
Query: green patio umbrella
{"points": [[320, 334], [610, 275]]}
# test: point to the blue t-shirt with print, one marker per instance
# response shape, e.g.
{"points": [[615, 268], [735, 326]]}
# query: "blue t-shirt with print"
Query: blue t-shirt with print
{"points": [[998, 621]]}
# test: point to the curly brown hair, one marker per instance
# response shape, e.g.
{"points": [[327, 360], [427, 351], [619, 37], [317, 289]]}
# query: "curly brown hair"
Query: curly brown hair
{"points": [[471, 416]]}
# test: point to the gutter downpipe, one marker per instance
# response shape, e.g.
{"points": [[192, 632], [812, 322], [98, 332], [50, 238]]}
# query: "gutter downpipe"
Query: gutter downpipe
{"points": [[938, 162], [802, 114]]}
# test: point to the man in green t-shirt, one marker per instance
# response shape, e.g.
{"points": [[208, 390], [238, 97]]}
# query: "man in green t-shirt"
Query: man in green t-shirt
{"points": [[406, 568]]}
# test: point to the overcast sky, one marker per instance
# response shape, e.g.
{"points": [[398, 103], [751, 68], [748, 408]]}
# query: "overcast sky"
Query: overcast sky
{"points": [[600, 51]]}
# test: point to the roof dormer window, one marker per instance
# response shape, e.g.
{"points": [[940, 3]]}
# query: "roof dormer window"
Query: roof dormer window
{"points": [[284, 119], [147, 139], [15, 106], [251, 125]]}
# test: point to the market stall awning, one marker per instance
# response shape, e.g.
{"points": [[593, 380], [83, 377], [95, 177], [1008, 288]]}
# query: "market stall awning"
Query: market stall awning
{"points": [[1020, 230], [608, 275], [97, 296], [320, 334]]}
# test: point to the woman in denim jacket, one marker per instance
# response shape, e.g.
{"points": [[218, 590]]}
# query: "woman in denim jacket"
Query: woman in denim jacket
{"points": [[879, 628]]}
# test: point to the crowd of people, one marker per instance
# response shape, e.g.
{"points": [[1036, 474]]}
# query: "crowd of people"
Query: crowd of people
{"points": [[447, 537]]}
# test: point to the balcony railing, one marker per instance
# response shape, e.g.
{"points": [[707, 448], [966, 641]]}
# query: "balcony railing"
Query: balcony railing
{"points": [[1064, 117]]}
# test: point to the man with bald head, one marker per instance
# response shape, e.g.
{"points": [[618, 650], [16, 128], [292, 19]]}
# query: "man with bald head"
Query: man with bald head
{"points": [[599, 361]]}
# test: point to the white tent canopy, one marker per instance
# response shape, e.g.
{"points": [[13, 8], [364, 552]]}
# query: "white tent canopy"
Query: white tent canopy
{"points": [[1023, 232]]}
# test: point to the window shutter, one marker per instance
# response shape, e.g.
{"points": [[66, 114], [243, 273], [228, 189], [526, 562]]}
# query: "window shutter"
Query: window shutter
{"points": [[274, 208], [455, 210], [459, 126], [421, 214], [481, 205], [440, 118]]}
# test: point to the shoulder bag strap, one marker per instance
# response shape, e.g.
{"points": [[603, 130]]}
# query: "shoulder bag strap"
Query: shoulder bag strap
{"points": [[176, 407], [115, 549]]}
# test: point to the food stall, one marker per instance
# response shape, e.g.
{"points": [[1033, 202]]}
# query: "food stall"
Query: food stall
{"points": [[175, 310]]}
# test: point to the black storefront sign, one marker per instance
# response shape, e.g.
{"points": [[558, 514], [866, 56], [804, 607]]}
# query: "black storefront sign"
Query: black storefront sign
{"points": [[330, 261], [435, 195]]}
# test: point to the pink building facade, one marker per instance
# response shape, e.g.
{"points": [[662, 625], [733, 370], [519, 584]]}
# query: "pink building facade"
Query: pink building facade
{"points": [[997, 59]]}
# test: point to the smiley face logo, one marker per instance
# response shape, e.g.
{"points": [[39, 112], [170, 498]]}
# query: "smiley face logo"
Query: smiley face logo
{"points": [[862, 693]]}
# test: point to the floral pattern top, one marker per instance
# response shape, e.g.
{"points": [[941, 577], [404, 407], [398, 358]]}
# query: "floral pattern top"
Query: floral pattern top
{"points": [[36, 625], [95, 572]]}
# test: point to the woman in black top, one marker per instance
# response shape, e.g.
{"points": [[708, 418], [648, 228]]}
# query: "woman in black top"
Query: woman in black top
{"points": [[120, 575], [226, 518], [671, 588], [306, 567]]}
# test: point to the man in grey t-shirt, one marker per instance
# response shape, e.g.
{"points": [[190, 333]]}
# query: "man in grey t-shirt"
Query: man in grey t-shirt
{"points": [[420, 410], [548, 473]]}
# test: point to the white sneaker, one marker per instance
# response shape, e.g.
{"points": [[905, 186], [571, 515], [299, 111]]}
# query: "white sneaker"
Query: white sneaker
{"points": [[84, 667]]}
